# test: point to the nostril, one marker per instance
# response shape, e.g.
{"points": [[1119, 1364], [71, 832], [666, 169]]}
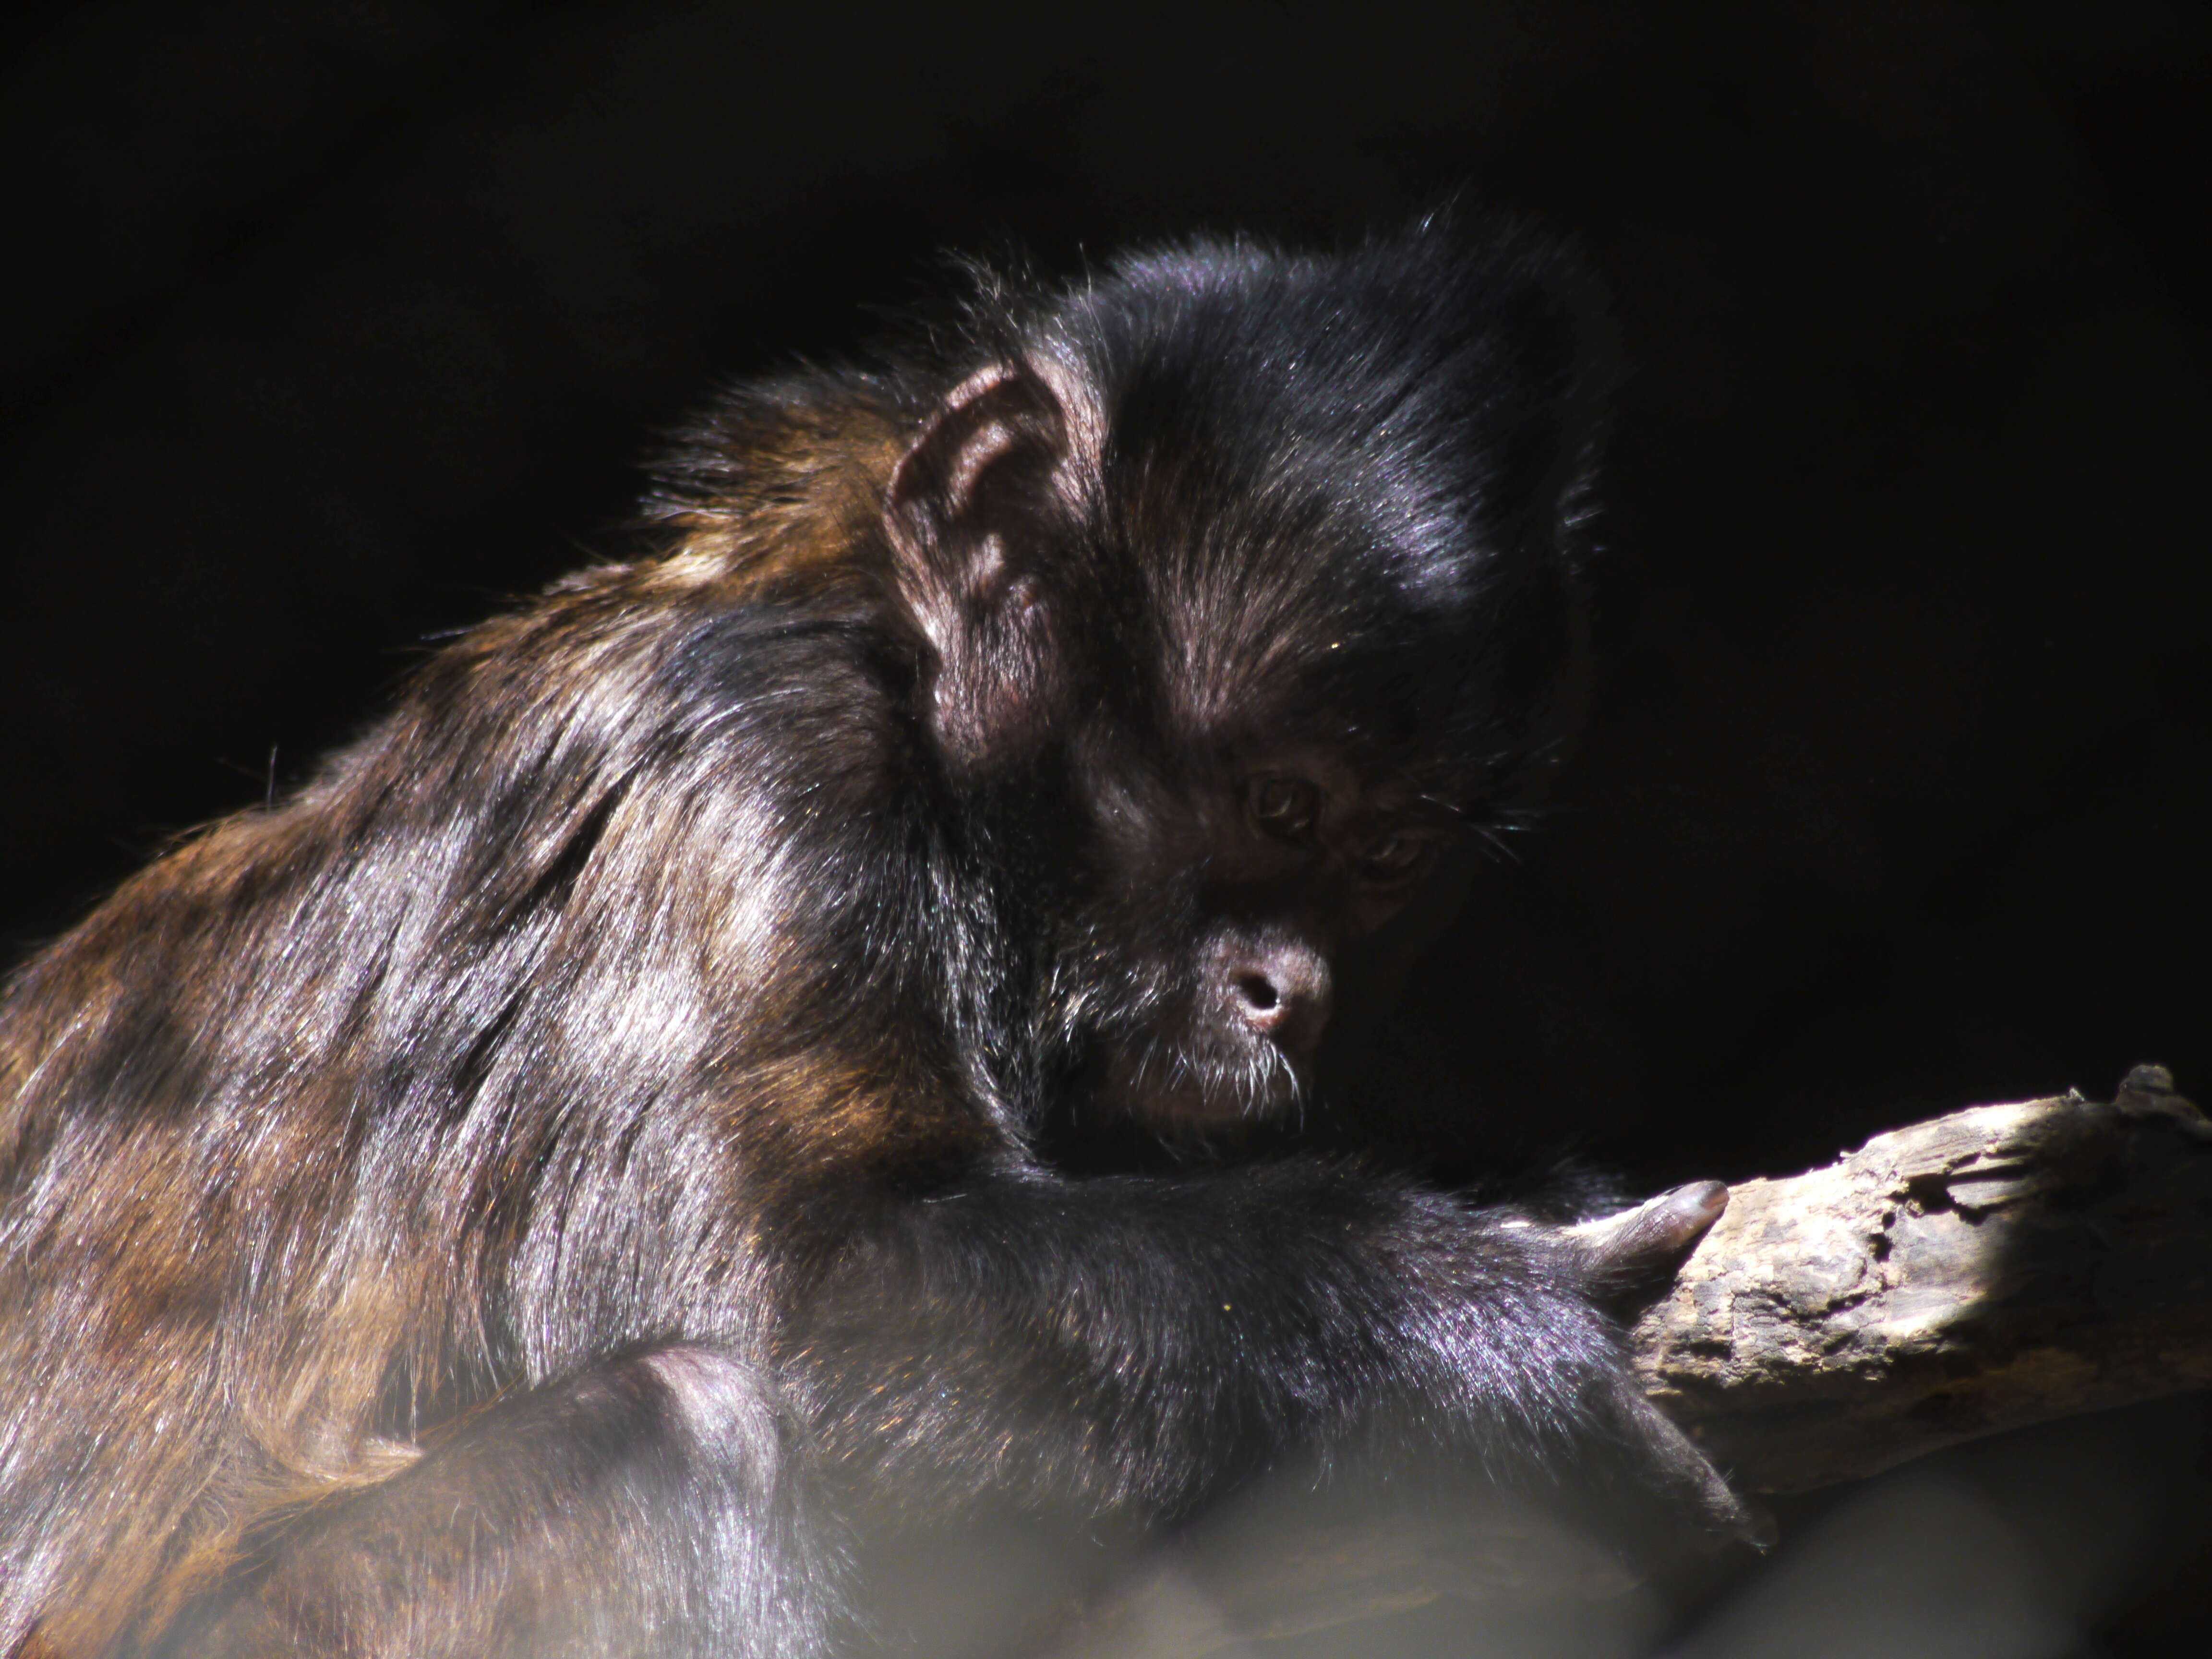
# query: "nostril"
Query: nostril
{"points": [[1259, 993], [1279, 992]]}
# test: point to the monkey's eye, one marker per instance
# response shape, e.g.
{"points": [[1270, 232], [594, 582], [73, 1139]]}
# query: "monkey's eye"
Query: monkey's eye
{"points": [[1392, 857], [1285, 807]]}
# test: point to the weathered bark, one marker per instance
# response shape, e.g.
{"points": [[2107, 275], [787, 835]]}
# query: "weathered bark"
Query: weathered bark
{"points": [[1997, 1267], [2000, 1267]]}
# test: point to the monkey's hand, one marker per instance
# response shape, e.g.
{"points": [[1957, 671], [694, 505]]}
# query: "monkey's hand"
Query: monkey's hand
{"points": [[1626, 1260]]}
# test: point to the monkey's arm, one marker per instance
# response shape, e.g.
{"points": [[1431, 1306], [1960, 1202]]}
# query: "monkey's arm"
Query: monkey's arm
{"points": [[1139, 1345]]}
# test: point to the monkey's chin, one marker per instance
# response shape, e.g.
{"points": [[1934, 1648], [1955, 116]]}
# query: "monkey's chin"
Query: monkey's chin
{"points": [[1192, 1095]]}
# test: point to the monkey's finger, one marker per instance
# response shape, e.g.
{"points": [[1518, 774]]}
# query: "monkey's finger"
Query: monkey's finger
{"points": [[1654, 1236], [1693, 1488]]}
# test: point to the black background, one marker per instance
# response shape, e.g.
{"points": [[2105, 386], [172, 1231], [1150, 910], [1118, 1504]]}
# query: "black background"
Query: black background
{"points": [[333, 326]]}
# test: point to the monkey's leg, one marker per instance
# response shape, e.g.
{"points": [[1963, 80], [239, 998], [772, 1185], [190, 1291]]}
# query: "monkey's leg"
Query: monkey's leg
{"points": [[644, 1507]]}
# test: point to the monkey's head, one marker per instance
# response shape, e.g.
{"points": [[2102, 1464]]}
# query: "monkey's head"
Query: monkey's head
{"points": [[1247, 584]]}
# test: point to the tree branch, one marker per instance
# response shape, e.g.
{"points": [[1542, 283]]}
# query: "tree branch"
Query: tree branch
{"points": [[2000, 1267]]}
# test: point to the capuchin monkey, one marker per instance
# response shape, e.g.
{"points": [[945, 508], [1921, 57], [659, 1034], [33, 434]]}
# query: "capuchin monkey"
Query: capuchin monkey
{"points": [[615, 1134]]}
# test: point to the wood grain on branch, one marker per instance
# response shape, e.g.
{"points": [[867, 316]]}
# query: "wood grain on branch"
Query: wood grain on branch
{"points": [[2000, 1267]]}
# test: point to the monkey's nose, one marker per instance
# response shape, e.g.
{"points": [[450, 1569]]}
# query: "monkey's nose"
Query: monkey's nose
{"points": [[1281, 990]]}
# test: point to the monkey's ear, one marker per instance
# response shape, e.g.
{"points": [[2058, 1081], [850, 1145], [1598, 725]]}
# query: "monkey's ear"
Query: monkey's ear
{"points": [[975, 506]]}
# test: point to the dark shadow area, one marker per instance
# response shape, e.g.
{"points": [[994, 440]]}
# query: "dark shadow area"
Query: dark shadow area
{"points": [[334, 324]]}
